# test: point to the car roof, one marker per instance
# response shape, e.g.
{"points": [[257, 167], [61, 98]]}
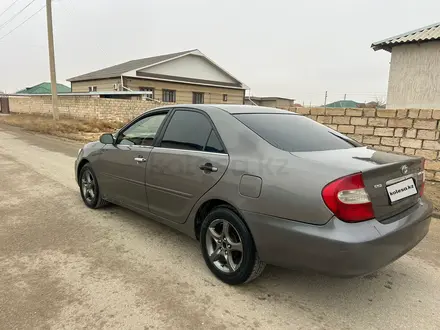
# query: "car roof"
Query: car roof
{"points": [[234, 109]]}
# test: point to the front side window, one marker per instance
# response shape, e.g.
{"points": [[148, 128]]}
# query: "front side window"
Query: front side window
{"points": [[142, 132], [198, 98], [189, 130], [168, 95], [295, 133]]}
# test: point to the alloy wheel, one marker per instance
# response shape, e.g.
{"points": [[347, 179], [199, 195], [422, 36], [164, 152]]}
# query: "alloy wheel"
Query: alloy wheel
{"points": [[88, 186], [224, 246]]}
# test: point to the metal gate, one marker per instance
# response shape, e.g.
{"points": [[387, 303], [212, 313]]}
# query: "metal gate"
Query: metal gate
{"points": [[4, 104]]}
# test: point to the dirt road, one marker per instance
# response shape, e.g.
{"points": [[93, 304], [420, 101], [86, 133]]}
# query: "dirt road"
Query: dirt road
{"points": [[65, 266]]}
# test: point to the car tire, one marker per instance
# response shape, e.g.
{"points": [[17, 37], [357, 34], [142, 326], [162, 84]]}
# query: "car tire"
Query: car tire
{"points": [[223, 234], [89, 188]]}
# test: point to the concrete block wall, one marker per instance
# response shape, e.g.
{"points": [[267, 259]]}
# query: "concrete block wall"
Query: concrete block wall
{"points": [[83, 106], [408, 131]]}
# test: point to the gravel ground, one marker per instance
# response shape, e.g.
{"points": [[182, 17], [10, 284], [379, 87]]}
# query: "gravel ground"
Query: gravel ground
{"points": [[64, 266], [432, 190]]}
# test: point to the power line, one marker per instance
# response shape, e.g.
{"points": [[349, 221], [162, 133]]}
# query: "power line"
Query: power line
{"points": [[4, 36], [9, 7], [9, 20]]}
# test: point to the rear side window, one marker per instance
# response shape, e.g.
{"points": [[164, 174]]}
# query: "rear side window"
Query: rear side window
{"points": [[190, 130], [295, 133], [213, 144]]}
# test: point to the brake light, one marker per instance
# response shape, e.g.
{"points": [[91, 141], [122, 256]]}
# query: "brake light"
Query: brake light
{"points": [[422, 186], [347, 199]]}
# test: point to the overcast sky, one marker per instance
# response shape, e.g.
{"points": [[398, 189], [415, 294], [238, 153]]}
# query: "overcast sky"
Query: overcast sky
{"points": [[297, 49]]}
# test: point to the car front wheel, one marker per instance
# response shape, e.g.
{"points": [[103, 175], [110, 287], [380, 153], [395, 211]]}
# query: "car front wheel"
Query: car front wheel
{"points": [[89, 188], [228, 247]]}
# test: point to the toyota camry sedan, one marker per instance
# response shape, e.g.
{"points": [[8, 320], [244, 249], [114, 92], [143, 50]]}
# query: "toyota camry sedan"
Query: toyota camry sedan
{"points": [[259, 185]]}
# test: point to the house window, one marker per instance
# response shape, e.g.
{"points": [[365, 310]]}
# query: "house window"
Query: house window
{"points": [[148, 89], [198, 98], [225, 97], [93, 89], [169, 95]]}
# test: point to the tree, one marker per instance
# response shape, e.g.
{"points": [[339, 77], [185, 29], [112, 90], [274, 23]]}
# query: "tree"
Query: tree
{"points": [[378, 104]]}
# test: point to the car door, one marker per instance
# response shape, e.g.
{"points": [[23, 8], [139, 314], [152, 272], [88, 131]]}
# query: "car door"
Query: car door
{"points": [[122, 166], [185, 163]]}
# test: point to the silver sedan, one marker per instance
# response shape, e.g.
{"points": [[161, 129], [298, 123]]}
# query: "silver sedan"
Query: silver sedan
{"points": [[259, 185]]}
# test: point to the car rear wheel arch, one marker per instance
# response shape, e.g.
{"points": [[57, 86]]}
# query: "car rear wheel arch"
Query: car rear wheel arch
{"points": [[207, 207]]}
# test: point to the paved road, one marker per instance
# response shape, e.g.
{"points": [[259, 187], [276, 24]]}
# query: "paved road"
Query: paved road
{"points": [[65, 266]]}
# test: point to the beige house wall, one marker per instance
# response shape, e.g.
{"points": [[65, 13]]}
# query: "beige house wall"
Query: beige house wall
{"points": [[184, 92], [194, 66], [272, 102], [268, 103], [281, 103], [414, 80], [102, 85]]}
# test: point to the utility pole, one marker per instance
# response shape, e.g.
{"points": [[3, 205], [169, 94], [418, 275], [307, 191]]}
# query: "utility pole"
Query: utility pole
{"points": [[325, 100], [345, 97], [53, 76]]}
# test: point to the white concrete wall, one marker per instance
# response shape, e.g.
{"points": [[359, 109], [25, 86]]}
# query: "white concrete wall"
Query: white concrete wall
{"points": [[414, 80], [190, 66]]}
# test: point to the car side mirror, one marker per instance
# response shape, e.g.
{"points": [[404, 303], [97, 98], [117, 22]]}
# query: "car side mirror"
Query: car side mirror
{"points": [[107, 138]]}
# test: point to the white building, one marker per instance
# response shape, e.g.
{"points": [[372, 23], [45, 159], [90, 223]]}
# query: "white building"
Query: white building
{"points": [[414, 80]]}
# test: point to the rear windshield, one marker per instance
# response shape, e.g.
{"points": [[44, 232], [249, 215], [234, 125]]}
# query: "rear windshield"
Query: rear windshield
{"points": [[295, 133]]}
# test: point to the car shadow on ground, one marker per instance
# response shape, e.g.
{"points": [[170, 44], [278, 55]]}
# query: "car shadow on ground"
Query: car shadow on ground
{"points": [[398, 285], [271, 273]]}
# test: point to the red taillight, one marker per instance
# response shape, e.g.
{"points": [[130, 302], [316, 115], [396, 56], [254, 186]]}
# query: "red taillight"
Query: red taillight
{"points": [[347, 199], [422, 186]]}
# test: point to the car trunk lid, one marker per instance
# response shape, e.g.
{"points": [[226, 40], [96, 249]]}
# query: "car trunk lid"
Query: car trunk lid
{"points": [[392, 181]]}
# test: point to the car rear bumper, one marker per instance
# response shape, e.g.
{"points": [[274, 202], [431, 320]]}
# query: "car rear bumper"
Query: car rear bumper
{"points": [[339, 248]]}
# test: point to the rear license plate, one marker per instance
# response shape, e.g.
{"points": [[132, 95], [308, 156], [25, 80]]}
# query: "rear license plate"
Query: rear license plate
{"points": [[401, 190]]}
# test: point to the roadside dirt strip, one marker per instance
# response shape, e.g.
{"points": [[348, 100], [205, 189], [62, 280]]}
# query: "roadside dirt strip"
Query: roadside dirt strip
{"points": [[64, 266]]}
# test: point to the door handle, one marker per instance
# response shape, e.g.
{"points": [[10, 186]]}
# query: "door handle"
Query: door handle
{"points": [[208, 167], [140, 159]]}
